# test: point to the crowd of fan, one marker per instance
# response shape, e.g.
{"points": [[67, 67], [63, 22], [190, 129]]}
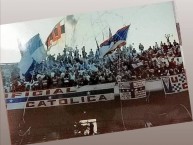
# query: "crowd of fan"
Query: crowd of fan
{"points": [[74, 68]]}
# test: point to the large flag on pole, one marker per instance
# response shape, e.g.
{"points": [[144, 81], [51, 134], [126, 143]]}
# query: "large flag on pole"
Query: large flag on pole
{"points": [[56, 34], [25, 64], [105, 49], [36, 48], [34, 53], [116, 41]]}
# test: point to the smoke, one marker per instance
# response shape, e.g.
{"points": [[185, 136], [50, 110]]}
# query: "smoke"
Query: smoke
{"points": [[71, 20]]}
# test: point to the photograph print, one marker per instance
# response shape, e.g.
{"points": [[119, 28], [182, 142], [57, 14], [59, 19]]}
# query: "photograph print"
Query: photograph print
{"points": [[93, 73]]}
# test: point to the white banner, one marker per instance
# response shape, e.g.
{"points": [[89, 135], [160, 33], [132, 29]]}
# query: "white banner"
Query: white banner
{"points": [[175, 83], [17, 103], [40, 92], [132, 90]]}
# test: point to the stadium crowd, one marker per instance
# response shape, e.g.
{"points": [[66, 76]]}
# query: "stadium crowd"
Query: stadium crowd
{"points": [[75, 68]]}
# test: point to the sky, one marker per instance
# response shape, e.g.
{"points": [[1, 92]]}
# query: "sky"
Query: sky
{"points": [[149, 24]]}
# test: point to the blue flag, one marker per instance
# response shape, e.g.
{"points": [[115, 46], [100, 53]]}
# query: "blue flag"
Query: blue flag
{"points": [[34, 53], [114, 42], [121, 34], [36, 49]]}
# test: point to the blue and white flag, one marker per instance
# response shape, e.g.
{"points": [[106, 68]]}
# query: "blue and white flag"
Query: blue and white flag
{"points": [[25, 63], [104, 49], [116, 41], [36, 49], [34, 53]]}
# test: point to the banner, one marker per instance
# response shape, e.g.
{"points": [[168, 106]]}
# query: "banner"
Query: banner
{"points": [[175, 83], [57, 99], [58, 91], [132, 90], [36, 93]]}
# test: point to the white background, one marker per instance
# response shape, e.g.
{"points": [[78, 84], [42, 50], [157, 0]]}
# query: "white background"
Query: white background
{"points": [[178, 134]]}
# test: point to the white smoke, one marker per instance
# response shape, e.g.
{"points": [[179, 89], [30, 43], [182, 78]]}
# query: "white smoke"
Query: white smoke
{"points": [[70, 19]]}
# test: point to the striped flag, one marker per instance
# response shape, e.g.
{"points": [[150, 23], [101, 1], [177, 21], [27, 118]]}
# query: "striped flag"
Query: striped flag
{"points": [[121, 34], [56, 34], [116, 41]]}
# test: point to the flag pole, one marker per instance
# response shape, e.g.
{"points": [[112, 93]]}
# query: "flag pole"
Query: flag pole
{"points": [[33, 72], [119, 62], [163, 54]]}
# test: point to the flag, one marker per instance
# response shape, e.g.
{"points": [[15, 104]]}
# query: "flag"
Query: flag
{"points": [[174, 84], [36, 49], [121, 34], [25, 63], [118, 40], [117, 44], [104, 49], [56, 34], [30, 72], [34, 53], [112, 57]]}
